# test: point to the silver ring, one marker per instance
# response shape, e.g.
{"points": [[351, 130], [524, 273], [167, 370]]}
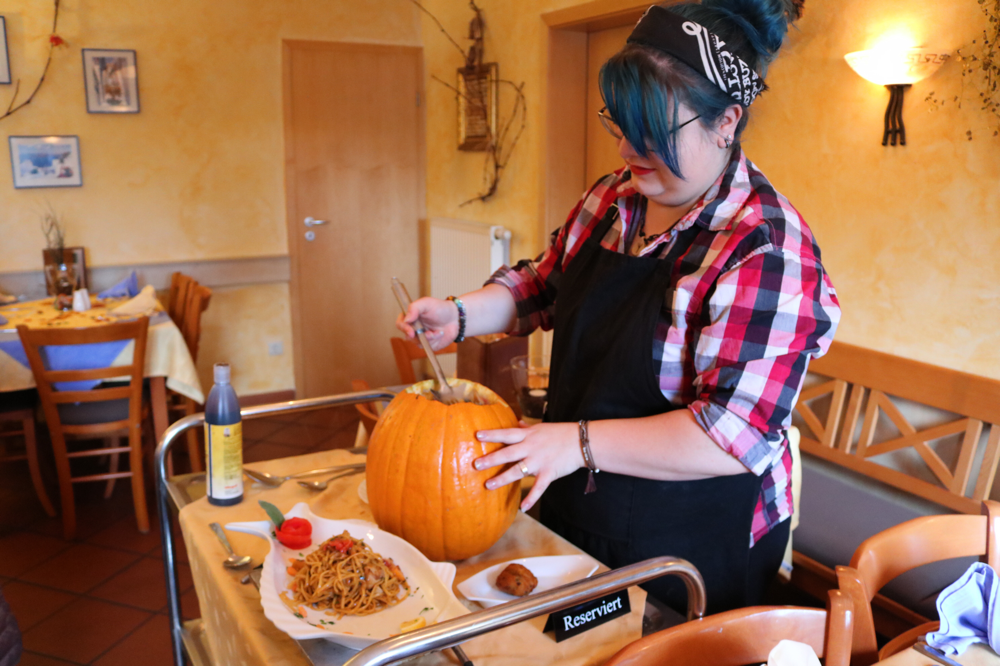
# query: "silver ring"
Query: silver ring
{"points": [[524, 469]]}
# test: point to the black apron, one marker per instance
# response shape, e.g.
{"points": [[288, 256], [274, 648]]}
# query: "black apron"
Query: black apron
{"points": [[602, 368]]}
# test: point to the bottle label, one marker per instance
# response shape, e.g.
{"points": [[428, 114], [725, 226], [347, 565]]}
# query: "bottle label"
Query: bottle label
{"points": [[224, 455]]}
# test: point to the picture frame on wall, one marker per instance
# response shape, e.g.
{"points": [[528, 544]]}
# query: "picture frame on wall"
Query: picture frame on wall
{"points": [[111, 80], [4, 53], [45, 161]]}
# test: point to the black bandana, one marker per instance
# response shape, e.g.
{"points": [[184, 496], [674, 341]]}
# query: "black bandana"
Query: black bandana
{"points": [[700, 49]]}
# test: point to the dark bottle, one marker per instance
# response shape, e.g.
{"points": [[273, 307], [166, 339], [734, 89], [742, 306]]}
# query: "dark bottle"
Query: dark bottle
{"points": [[223, 441], [64, 288]]}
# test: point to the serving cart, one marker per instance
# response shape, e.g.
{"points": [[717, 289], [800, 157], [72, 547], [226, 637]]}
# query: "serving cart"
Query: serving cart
{"points": [[189, 639]]}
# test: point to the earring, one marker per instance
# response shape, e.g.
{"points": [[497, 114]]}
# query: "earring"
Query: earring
{"points": [[729, 141]]}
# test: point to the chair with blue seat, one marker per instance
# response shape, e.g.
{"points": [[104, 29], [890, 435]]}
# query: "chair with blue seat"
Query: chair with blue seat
{"points": [[97, 409]]}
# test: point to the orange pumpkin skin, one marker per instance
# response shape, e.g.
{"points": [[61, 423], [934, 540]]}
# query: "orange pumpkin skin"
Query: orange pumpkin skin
{"points": [[422, 486]]}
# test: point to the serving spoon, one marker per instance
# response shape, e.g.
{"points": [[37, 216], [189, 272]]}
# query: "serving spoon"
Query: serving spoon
{"points": [[322, 485], [275, 481], [234, 561], [445, 392]]}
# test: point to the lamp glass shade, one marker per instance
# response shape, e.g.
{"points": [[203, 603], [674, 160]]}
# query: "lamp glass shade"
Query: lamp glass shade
{"points": [[890, 67]]}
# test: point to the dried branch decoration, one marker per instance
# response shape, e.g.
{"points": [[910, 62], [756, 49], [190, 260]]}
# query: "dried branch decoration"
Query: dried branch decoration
{"points": [[54, 41], [500, 142], [981, 68], [55, 235]]}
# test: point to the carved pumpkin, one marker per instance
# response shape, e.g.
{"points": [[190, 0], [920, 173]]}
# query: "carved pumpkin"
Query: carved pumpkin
{"points": [[422, 486]]}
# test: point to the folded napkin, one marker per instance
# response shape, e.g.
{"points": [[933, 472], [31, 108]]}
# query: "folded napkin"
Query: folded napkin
{"points": [[967, 609], [792, 653], [143, 304], [128, 287]]}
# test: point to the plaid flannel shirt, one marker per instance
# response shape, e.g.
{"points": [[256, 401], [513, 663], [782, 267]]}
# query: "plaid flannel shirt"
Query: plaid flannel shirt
{"points": [[750, 304]]}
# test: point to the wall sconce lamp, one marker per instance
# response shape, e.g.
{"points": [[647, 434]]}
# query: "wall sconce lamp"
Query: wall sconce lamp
{"points": [[897, 70]]}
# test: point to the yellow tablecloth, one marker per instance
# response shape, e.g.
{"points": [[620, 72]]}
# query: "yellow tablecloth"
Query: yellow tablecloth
{"points": [[238, 632], [167, 354], [977, 655]]}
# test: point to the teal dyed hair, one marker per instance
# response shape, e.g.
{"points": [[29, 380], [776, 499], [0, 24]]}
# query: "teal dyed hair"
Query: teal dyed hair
{"points": [[643, 87]]}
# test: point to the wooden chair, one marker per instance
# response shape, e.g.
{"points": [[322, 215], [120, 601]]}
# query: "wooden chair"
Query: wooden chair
{"points": [[196, 300], [177, 300], [407, 351], [19, 407], [904, 547], [368, 410], [747, 636], [100, 412]]}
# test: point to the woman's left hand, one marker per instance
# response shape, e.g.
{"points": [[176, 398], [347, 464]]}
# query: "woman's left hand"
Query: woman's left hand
{"points": [[547, 450]]}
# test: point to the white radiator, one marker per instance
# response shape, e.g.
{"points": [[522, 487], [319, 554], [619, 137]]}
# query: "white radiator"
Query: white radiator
{"points": [[464, 254]]}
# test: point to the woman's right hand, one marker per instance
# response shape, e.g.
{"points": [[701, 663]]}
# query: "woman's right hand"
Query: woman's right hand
{"points": [[440, 320]]}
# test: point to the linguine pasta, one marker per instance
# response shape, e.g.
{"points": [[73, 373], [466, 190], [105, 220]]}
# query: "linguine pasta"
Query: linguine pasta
{"points": [[345, 576]]}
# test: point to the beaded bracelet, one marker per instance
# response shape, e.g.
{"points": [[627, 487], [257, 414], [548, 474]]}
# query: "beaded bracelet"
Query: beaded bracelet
{"points": [[588, 458], [461, 317]]}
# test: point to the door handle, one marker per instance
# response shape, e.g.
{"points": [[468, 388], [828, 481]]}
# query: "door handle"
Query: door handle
{"points": [[312, 222]]}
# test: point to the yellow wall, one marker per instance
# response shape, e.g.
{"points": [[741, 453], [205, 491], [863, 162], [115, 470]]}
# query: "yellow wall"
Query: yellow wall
{"points": [[516, 39], [909, 234], [229, 328], [198, 174]]}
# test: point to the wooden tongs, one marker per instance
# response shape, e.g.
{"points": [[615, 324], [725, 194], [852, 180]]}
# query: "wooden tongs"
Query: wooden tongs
{"points": [[445, 393]]}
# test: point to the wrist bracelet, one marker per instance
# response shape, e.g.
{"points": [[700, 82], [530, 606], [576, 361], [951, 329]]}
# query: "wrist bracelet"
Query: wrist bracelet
{"points": [[588, 458], [461, 317]]}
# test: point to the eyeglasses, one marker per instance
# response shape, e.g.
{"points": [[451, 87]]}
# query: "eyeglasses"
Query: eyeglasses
{"points": [[612, 127]]}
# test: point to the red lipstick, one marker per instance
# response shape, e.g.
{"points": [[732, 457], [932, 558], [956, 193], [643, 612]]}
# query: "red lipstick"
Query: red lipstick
{"points": [[639, 171]]}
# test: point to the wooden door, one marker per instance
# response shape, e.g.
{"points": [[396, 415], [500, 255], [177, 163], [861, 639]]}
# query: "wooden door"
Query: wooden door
{"points": [[602, 149], [354, 159]]}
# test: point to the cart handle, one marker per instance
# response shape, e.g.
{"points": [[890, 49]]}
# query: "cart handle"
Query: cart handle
{"points": [[160, 470], [456, 631]]}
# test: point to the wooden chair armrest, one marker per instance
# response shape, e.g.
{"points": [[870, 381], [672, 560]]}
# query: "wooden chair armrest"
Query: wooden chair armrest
{"points": [[906, 640]]}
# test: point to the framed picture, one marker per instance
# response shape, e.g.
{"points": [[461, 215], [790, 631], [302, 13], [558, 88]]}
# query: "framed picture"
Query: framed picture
{"points": [[45, 161], [4, 53], [111, 80]]}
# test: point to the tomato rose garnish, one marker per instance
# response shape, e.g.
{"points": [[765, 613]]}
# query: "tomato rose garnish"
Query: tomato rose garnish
{"points": [[295, 533]]}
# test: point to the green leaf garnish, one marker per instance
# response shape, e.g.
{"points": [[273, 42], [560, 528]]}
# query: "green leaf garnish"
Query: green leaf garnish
{"points": [[273, 512]]}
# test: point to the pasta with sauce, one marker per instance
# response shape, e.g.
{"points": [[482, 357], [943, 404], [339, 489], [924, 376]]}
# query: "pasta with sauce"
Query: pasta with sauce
{"points": [[346, 576]]}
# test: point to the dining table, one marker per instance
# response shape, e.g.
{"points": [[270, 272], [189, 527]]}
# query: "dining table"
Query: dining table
{"points": [[235, 629], [168, 361]]}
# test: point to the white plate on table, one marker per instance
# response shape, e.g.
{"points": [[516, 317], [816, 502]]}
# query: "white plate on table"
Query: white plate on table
{"points": [[551, 572], [430, 583]]}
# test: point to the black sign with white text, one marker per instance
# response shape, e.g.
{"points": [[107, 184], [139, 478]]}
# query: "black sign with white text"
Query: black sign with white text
{"points": [[572, 621]]}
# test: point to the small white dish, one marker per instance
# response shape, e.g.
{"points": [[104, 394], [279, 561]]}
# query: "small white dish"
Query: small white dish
{"points": [[551, 572]]}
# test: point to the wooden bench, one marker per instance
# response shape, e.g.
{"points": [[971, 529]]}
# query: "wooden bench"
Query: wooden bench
{"points": [[885, 439]]}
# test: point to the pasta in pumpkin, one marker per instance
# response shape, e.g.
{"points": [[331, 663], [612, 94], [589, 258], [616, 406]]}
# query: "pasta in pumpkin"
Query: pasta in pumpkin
{"points": [[346, 576]]}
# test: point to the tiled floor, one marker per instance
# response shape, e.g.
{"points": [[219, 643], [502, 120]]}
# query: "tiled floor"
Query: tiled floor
{"points": [[100, 599]]}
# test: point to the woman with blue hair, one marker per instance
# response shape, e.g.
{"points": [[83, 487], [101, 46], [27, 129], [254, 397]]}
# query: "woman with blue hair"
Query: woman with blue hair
{"points": [[687, 297]]}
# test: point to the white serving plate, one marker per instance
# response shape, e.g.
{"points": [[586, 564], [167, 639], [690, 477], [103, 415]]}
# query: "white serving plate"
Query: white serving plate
{"points": [[551, 572], [430, 583]]}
